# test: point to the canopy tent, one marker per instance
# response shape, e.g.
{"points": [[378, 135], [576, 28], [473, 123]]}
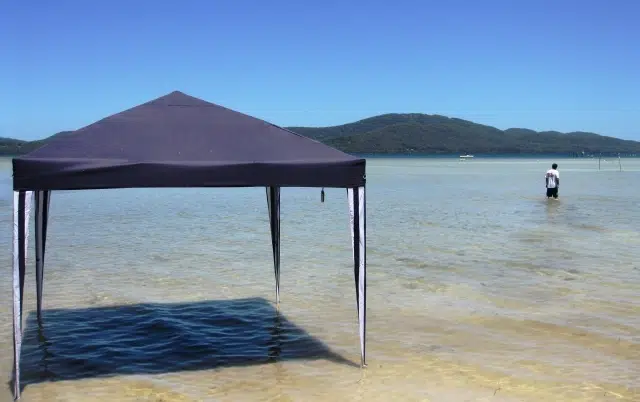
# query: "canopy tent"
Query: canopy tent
{"points": [[180, 141]]}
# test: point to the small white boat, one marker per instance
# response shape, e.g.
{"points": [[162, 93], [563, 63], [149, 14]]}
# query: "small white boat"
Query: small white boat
{"points": [[463, 157]]}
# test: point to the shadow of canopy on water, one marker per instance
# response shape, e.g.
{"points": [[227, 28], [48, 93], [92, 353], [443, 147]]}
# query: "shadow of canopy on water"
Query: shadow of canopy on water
{"points": [[154, 338], [180, 141]]}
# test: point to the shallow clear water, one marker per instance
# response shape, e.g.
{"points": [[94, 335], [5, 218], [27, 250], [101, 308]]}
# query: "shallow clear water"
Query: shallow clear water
{"points": [[479, 289]]}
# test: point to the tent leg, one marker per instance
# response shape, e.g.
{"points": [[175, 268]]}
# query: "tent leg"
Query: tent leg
{"points": [[273, 203], [21, 212], [357, 214], [42, 200]]}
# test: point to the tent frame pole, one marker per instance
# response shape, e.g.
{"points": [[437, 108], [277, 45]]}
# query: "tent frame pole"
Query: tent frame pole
{"points": [[357, 211], [273, 204], [42, 201], [22, 201]]}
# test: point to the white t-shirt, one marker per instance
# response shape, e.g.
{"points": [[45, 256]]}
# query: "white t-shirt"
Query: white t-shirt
{"points": [[552, 176]]}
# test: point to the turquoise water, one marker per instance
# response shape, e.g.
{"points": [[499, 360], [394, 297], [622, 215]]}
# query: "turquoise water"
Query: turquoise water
{"points": [[479, 289]]}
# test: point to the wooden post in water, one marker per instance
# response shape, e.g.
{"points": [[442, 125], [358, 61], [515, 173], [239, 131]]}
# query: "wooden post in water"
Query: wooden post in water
{"points": [[599, 157], [620, 162]]}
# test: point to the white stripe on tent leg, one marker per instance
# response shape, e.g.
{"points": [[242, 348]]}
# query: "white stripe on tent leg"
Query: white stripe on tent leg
{"points": [[357, 217], [21, 212], [42, 199], [362, 271], [273, 204]]}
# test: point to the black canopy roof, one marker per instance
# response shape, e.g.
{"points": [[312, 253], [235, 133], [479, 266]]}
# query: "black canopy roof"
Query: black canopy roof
{"points": [[181, 141]]}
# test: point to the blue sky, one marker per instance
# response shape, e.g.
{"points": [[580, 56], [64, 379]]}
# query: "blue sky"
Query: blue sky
{"points": [[565, 65]]}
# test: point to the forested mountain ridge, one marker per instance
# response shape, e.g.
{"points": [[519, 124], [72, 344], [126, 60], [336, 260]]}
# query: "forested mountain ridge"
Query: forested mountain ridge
{"points": [[435, 134], [397, 133]]}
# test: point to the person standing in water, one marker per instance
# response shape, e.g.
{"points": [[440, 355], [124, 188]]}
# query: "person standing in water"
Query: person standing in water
{"points": [[552, 181]]}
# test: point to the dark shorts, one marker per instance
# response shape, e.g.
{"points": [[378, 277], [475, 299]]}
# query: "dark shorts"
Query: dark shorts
{"points": [[552, 192]]}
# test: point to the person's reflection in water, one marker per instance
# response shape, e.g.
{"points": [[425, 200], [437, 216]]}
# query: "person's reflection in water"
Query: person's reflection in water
{"points": [[553, 209]]}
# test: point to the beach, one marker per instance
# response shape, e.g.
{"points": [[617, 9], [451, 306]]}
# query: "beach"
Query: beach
{"points": [[479, 289]]}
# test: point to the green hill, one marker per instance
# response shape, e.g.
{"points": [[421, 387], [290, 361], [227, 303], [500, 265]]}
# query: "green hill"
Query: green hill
{"points": [[11, 146], [434, 134], [430, 134]]}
